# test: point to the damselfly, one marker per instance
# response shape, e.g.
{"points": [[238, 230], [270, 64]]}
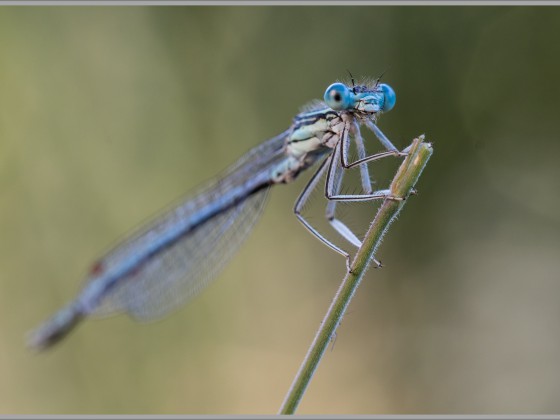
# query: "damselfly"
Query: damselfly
{"points": [[172, 258]]}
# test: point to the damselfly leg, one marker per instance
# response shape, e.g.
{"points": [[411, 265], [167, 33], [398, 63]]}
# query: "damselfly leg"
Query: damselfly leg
{"points": [[360, 148], [335, 166], [391, 149], [302, 200]]}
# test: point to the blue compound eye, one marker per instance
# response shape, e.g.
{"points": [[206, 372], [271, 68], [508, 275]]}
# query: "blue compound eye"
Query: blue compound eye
{"points": [[338, 97], [389, 95]]}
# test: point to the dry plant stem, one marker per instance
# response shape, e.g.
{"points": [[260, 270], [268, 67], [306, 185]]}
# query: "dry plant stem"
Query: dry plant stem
{"points": [[401, 186]]}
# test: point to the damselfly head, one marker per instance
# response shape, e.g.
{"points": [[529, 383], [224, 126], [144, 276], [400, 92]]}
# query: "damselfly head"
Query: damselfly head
{"points": [[363, 99]]}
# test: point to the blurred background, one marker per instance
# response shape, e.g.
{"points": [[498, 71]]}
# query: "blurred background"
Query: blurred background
{"points": [[109, 114]]}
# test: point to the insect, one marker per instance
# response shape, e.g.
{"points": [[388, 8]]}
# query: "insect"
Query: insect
{"points": [[169, 260]]}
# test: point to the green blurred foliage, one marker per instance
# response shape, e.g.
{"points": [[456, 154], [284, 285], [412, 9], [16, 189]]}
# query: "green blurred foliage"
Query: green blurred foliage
{"points": [[108, 114]]}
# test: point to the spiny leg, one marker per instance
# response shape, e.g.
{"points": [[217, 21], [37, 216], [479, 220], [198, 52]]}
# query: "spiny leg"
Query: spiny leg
{"points": [[363, 159], [364, 169], [334, 180], [391, 149], [332, 194], [382, 137], [335, 177], [330, 212], [300, 203], [333, 197]]}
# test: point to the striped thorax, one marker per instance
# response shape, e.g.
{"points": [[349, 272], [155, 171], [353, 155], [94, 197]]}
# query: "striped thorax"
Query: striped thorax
{"points": [[316, 132]]}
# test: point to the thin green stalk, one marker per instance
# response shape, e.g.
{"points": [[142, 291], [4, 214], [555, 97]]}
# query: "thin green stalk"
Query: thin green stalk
{"points": [[401, 186]]}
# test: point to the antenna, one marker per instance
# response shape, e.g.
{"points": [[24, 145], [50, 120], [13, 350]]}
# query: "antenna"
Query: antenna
{"points": [[353, 84]]}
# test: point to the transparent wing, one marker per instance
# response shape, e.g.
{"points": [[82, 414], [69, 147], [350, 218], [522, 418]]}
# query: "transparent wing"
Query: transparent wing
{"points": [[185, 267]]}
